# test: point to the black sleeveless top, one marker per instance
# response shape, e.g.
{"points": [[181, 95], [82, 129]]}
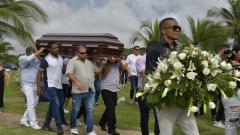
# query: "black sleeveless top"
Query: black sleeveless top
{"points": [[1, 79]]}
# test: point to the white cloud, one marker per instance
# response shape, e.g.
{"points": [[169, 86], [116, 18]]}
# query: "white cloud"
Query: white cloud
{"points": [[119, 17]]}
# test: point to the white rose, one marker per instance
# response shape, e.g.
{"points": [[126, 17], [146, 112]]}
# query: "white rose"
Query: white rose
{"points": [[214, 73], [219, 71], [206, 71], [205, 63], [236, 73], [229, 66], [217, 57], [178, 65], [182, 56], [214, 63], [211, 105], [205, 53], [211, 87], [162, 67], [194, 53], [167, 83], [157, 75], [147, 86], [232, 85], [223, 64], [173, 55], [191, 75], [194, 109]]}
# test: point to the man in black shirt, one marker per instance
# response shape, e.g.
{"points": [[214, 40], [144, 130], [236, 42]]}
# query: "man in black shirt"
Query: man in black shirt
{"points": [[167, 116]]}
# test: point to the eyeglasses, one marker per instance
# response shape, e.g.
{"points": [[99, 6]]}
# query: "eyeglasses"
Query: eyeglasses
{"points": [[175, 28], [82, 53]]}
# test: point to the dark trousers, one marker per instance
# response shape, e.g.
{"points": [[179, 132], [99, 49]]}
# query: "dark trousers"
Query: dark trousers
{"points": [[219, 114], [97, 85], [133, 82], [109, 116], [144, 118], [55, 109], [1, 94]]}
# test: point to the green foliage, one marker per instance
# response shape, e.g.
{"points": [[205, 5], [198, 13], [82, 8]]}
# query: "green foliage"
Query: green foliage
{"points": [[148, 33], [5, 57], [230, 17], [207, 34], [17, 19]]}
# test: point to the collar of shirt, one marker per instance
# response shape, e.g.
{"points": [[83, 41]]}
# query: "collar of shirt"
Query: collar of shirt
{"points": [[165, 44]]}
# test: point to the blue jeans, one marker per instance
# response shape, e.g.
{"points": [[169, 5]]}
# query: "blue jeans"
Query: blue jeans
{"points": [[232, 114], [97, 85], [133, 82], [55, 107], [88, 100]]}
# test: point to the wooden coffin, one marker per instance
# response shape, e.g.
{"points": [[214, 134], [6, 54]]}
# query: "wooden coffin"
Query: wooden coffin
{"points": [[98, 44]]}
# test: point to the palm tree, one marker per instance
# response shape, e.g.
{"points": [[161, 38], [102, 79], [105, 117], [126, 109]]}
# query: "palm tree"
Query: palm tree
{"points": [[149, 33], [231, 17], [207, 34], [17, 20], [5, 47]]}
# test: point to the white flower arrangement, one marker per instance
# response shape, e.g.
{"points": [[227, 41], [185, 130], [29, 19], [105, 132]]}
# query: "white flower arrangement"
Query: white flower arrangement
{"points": [[190, 76]]}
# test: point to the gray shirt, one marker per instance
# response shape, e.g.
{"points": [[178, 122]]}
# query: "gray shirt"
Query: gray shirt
{"points": [[84, 71], [111, 81]]}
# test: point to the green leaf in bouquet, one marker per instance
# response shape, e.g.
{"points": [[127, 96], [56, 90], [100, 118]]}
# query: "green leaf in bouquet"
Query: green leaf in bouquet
{"points": [[182, 102], [153, 99], [170, 100]]}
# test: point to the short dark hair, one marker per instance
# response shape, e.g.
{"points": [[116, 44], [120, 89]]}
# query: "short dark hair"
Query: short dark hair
{"points": [[29, 50], [164, 21], [136, 46], [81, 46], [49, 45]]}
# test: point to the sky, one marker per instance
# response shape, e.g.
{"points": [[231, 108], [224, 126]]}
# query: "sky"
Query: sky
{"points": [[118, 17]]}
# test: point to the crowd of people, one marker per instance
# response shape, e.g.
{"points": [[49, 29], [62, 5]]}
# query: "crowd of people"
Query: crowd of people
{"points": [[58, 79]]}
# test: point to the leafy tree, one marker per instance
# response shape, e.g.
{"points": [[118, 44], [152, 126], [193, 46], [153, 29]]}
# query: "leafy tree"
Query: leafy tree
{"points": [[17, 19], [207, 34], [5, 57], [148, 33], [230, 17]]}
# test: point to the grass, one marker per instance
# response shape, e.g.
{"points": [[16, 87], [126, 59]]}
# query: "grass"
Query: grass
{"points": [[127, 115]]}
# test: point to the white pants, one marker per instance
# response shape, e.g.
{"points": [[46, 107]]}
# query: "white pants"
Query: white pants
{"points": [[167, 117], [32, 100]]}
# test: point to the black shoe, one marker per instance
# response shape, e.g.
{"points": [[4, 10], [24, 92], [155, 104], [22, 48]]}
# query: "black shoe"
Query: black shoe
{"points": [[103, 127], [60, 130], [114, 132], [46, 128], [65, 123]]}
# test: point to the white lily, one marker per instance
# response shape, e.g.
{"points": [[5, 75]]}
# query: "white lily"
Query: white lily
{"points": [[211, 105]]}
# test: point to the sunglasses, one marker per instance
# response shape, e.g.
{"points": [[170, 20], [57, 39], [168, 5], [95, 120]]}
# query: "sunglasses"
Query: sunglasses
{"points": [[83, 53], [175, 28]]}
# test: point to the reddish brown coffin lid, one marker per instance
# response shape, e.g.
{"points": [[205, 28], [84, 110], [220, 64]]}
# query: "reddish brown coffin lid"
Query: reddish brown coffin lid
{"points": [[98, 44]]}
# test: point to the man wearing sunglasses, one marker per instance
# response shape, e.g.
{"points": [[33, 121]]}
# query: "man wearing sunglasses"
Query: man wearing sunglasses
{"points": [[81, 72], [167, 116]]}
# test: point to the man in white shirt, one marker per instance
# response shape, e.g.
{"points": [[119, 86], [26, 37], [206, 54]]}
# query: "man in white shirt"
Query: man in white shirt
{"points": [[132, 71], [52, 66]]}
